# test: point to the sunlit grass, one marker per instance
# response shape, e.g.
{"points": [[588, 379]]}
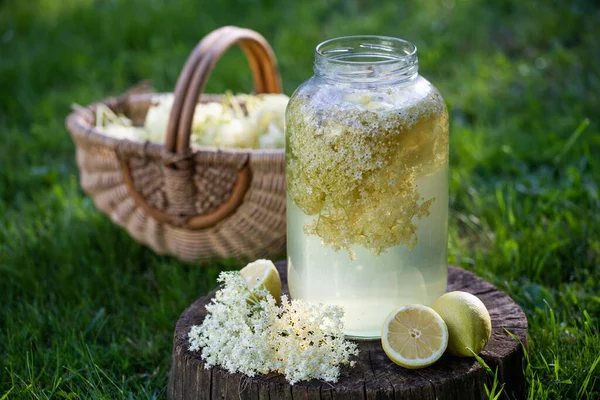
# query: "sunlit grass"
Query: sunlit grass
{"points": [[88, 313]]}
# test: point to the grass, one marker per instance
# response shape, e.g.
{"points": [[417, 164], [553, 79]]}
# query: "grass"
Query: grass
{"points": [[88, 313]]}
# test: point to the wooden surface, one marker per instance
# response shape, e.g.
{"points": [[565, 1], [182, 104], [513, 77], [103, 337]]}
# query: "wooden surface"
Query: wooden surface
{"points": [[374, 376]]}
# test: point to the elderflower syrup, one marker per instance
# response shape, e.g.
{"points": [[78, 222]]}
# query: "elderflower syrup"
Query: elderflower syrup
{"points": [[367, 182]]}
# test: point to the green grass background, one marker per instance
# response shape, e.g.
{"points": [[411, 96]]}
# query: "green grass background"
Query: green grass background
{"points": [[85, 312]]}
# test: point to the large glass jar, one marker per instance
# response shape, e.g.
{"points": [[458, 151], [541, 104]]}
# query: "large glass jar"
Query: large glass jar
{"points": [[367, 182]]}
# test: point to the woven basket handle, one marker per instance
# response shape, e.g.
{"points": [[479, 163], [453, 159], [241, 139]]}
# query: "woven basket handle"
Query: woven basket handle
{"points": [[198, 68]]}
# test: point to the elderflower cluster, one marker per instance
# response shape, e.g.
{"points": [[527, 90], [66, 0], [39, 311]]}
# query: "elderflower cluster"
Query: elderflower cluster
{"points": [[299, 340], [243, 121], [235, 333], [309, 341], [354, 164]]}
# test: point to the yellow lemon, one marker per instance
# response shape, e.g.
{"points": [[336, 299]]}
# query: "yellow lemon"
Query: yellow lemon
{"points": [[262, 273], [468, 321], [414, 336]]}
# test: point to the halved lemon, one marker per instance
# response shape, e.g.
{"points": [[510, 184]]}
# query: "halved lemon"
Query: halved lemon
{"points": [[414, 336], [263, 273]]}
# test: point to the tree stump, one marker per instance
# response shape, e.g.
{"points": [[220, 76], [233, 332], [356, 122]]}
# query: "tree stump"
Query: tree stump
{"points": [[374, 376]]}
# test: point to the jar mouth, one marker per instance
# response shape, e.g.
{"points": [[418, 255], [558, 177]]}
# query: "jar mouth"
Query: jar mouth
{"points": [[366, 60], [366, 49]]}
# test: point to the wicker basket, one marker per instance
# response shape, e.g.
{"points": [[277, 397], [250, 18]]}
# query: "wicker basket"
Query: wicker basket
{"points": [[193, 203]]}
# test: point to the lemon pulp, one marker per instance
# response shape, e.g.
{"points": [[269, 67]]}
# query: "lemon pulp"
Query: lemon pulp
{"points": [[262, 273], [414, 336]]}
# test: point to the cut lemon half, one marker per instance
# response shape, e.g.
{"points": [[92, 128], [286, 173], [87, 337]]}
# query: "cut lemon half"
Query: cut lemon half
{"points": [[414, 336], [262, 273]]}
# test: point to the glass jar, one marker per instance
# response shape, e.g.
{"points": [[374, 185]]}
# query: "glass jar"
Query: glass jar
{"points": [[367, 182]]}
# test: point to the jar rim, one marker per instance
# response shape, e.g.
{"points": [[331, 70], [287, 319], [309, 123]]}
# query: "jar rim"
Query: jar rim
{"points": [[397, 49], [366, 60]]}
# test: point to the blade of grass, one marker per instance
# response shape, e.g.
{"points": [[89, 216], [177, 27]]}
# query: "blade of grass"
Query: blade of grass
{"points": [[571, 141], [586, 381]]}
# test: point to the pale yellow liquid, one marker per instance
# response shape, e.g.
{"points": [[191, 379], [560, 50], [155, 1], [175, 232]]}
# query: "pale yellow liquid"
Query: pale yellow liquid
{"points": [[370, 287]]}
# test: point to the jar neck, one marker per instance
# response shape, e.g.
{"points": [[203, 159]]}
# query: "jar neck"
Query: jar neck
{"points": [[366, 60]]}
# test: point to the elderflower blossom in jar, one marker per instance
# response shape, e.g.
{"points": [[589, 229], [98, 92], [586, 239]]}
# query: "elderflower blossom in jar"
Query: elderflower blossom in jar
{"points": [[367, 182]]}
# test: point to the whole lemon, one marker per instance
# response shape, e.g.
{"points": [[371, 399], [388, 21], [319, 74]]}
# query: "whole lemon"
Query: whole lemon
{"points": [[468, 321]]}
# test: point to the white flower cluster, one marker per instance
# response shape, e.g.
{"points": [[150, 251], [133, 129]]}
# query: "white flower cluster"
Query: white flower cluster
{"points": [[117, 126], [235, 332], [299, 340], [243, 121]]}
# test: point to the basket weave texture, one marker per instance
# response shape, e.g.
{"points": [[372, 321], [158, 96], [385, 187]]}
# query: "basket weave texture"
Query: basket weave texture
{"points": [[195, 203]]}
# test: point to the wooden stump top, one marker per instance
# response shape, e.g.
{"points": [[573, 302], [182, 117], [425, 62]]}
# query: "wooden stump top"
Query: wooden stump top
{"points": [[374, 376]]}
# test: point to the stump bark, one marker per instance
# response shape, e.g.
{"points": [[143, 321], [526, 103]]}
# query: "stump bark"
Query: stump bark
{"points": [[374, 376]]}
